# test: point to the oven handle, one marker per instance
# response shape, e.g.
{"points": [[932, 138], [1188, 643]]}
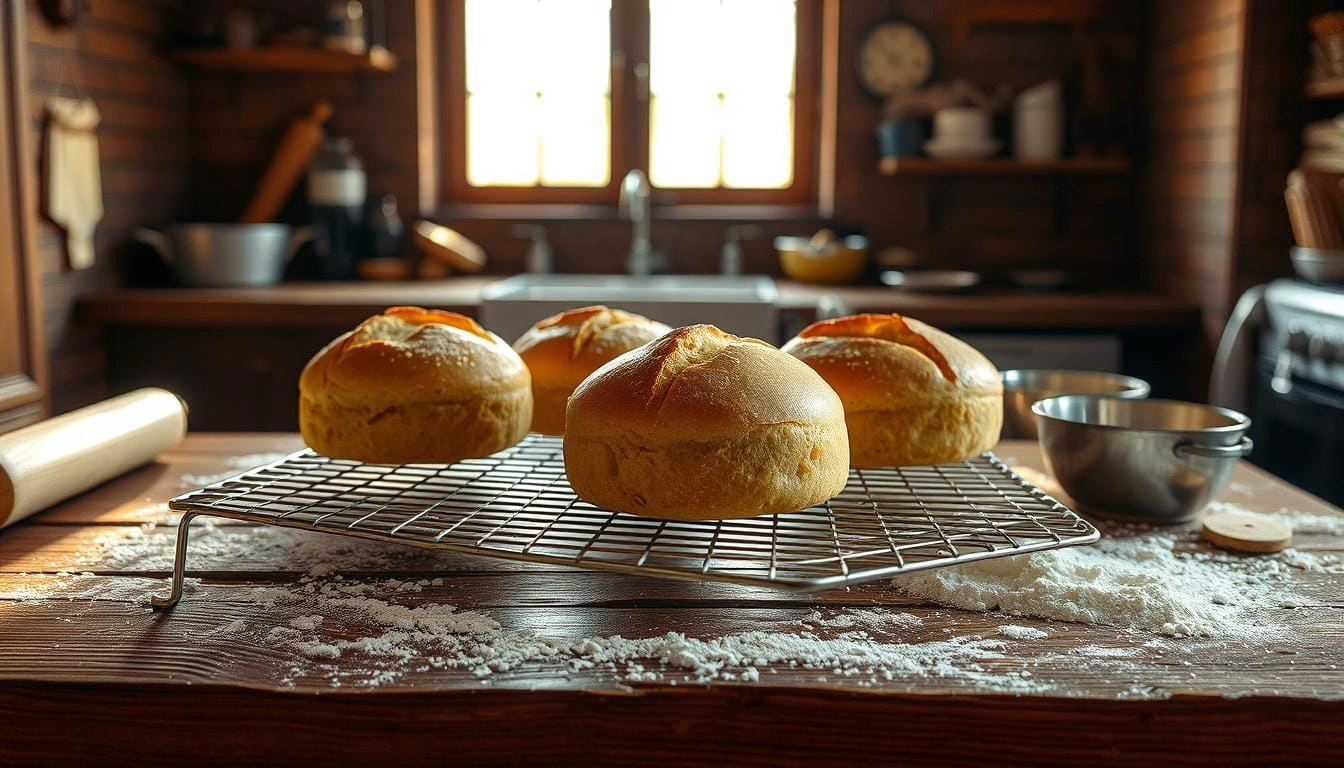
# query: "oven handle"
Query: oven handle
{"points": [[1186, 449]]}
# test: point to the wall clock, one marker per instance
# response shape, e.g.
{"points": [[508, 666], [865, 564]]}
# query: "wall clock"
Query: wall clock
{"points": [[894, 57]]}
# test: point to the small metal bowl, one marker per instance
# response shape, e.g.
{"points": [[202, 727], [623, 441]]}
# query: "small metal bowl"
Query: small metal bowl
{"points": [[1154, 461], [1022, 388], [1317, 264]]}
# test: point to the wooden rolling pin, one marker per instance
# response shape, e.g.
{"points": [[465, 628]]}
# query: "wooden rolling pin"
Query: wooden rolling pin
{"points": [[291, 158], [55, 459]]}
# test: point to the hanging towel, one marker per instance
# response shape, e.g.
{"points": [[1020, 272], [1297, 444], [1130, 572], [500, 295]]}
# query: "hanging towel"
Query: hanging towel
{"points": [[74, 183]]}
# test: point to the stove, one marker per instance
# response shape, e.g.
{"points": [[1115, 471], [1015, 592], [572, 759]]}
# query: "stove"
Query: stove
{"points": [[1303, 334], [1291, 383]]}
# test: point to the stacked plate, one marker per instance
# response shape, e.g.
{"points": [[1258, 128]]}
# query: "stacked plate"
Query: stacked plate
{"points": [[1323, 145]]}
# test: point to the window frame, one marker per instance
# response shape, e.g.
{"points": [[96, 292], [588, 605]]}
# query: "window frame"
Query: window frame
{"points": [[629, 120]]}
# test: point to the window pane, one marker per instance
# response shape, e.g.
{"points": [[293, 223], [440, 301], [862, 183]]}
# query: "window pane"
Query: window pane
{"points": [[573, 51], [764, 40], [686, 46], [757, 142], [686, 140], [722, 78], [575, 141], [503, 147], [500, 35], [538, 77]]}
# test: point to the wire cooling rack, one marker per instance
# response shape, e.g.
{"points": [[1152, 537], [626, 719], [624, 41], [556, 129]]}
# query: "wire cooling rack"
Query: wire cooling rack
{"points": [[518, 504]]}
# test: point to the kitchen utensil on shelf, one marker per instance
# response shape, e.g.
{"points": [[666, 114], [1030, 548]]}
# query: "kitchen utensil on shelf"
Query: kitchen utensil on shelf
{"points": [[295, 151], [226, 255], [73, 180], [1315, 208], [961, 133], [448, 248], [822, 260], [1317, 265], [1038, 122], [1023, 388], [1154, 461], [1039, 279], [931, 280], [52, 460]]}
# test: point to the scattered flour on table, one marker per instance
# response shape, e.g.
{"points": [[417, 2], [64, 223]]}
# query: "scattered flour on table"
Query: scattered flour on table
{"points": [[1016, 632], [352, 629], [236, 466], [1134, 578]]}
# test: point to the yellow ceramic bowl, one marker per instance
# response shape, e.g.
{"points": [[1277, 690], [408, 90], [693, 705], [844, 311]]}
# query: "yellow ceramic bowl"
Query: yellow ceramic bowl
{"points": [[837, 262]]}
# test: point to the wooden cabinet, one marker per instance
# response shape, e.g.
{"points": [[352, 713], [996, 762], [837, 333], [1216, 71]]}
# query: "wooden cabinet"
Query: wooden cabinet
{"points": [[22, 357], [240, 379]]}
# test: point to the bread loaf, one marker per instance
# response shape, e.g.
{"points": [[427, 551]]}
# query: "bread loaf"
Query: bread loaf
{"points": [[700, 424], [912, 393], [414, 386], [564, 349]]}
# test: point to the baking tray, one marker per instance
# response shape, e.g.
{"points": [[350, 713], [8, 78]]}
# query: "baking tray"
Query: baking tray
{"points": [[517, 504]]}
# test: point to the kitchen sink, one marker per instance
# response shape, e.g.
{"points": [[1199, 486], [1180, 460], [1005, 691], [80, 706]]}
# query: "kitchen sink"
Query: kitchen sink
{"points": [[744, 305]]}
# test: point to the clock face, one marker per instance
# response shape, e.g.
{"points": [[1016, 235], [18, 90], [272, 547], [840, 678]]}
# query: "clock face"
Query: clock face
{"points": [[895, 57]]}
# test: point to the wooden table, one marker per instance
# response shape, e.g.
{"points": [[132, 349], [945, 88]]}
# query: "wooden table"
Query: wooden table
{"points": [[91, 674]]}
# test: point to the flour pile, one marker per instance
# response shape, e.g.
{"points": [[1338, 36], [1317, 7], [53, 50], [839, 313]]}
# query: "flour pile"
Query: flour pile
{"points": [[1132, 579]]}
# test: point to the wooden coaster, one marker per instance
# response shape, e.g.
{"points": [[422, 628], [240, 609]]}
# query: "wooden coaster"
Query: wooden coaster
{"points": [[1247, 532]]}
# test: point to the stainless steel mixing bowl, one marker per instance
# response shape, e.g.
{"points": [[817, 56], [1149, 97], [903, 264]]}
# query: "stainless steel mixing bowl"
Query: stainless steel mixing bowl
{"points": [[1022, 388], [1155, 461]]}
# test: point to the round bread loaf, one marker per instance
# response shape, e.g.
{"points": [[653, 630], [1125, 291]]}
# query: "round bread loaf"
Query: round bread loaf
{"points": [[913, 394], [701, 424], [414, 386], [564, 349]]}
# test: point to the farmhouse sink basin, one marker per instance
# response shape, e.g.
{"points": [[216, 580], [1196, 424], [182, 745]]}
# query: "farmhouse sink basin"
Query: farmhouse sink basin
{"points": [[744, 305]]}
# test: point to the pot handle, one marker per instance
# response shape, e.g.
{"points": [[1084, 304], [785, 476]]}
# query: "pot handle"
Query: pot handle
{"points": [[297, 238], [1243, 448], [156, 240]]}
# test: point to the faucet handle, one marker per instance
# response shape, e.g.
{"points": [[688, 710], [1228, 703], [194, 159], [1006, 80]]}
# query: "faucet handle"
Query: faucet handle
{"points": [[730, 258], [738, 232], [540, 258]]}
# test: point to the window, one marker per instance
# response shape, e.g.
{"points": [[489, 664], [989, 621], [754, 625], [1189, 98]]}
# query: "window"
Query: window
{"points": [[555, 100]]}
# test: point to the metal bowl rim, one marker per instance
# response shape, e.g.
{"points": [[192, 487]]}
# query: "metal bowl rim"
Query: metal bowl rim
{"points": [[1243, 422], [1132, 384]]}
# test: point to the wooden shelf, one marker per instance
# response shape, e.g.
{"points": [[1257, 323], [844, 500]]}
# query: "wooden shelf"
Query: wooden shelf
{"points": [[924, 166], [1329, 88], [287, 59]]}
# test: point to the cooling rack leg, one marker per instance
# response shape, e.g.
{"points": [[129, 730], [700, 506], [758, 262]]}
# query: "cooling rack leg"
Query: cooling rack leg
{"points": [[179, 565]]}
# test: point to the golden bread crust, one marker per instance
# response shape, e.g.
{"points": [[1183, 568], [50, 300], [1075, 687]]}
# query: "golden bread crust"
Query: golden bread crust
{"points": [[700, 424], [564, 349], [414, 385], [913, 394]]}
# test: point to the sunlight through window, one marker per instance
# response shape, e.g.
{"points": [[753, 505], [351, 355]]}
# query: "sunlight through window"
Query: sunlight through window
{"points": [[720, 95]]}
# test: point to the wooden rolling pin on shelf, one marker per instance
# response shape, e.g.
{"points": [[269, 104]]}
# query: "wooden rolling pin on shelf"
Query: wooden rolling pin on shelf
{"points": [[52, 460], [291, 159]]}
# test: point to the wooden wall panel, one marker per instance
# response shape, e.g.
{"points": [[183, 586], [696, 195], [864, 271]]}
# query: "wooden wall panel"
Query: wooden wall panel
{"points": [[237, 118], [976, 221], [1192, 136], [1274, 113], [115, 52]]}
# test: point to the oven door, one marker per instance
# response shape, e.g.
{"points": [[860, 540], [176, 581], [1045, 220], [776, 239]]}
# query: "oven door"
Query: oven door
{"points": [[1299, 435]]}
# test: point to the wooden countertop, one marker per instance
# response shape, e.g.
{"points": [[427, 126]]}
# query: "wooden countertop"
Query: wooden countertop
{"points": [[92, 674], [345, 304]]}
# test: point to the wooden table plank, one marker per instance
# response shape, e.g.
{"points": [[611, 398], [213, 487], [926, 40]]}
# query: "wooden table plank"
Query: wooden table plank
{"points": [[713, 726], [242, 652]]}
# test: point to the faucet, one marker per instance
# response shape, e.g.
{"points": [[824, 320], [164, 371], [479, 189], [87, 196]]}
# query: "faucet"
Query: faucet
{"points": [[634, 207], [730, 258], [540, 259]]}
